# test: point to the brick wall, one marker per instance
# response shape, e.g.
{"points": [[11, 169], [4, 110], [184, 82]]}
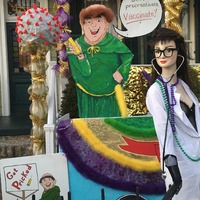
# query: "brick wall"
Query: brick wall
{"points": [[15, 146]]}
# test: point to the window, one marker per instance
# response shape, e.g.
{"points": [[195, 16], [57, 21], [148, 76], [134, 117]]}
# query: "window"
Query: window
{"points": [[17, 6], [184, 20], [197, 31]]}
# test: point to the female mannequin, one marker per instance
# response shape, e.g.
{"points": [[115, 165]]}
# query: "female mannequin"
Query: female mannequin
{"points": [[176, 115]]}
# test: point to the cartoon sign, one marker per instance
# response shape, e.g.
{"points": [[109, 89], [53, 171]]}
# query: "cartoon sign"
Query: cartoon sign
{"points": [[35, 177], [21, 177], [139, 17]]}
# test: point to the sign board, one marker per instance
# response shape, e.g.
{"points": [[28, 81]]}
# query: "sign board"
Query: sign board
{"points": [[139, 17], [21, 177]]}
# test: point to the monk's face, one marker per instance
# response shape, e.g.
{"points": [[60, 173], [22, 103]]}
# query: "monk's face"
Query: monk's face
{"points": [[95, 29]]}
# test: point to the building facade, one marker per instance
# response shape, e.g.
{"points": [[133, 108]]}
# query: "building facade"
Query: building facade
{"points": [[14, 82]]}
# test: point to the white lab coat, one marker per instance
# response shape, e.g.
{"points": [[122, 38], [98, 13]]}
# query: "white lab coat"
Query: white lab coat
{"points": [[188, 137]]}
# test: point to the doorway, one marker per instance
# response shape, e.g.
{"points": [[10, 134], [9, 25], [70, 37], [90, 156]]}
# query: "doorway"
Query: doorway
{"points": [[19, 80]]}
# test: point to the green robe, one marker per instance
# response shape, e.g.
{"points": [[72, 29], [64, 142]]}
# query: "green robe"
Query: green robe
{"points": [[51, 194], [94, 75]]}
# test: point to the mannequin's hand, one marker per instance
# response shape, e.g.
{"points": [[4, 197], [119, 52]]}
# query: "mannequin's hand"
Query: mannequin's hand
{"points": [[172, 165], [118, 77]]}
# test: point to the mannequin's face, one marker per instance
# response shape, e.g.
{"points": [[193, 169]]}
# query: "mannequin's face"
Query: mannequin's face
{"points": [[95, 29], [168, 58]]}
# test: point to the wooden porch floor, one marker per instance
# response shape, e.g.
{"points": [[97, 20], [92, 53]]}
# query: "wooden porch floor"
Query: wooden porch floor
{"points": [[15, 125]]}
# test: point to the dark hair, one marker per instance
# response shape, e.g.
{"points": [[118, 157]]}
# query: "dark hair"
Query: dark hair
{"points": [[165, 35]]}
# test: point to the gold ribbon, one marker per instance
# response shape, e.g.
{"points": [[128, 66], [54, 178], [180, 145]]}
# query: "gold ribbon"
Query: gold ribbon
{"points": [[37, 142], [36, 120], [63, 67], [173, 9], [38, 97], [93, 49], [37, 57], [38, 77], [65, 6], [59, 46], [66, 29]]}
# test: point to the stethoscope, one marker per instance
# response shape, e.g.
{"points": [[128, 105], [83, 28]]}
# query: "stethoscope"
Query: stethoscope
{"points": [[164, 175]]}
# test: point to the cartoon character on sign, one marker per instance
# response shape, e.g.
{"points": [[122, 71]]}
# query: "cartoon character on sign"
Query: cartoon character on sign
{"points": [[139, 17], [102, 63], [51, 190]]}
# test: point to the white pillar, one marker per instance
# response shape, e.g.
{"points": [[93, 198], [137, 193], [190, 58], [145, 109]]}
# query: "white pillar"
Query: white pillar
{"points": [[49, 128], [4, 75], [50, 139]]}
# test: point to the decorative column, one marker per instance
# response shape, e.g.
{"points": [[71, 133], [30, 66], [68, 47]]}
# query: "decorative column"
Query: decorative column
{"points": [[38, 92], [173, 10], [37, 32]]}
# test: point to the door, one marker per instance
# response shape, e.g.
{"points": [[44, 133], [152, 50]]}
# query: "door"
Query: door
{"points": [[197, 31], [19, 79]]}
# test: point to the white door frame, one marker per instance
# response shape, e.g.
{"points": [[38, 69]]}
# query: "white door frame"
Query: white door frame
{"points": [[4, 68], [4, 75]]}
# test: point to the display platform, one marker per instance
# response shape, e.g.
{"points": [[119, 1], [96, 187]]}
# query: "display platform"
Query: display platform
{"points": [[119, 155]]}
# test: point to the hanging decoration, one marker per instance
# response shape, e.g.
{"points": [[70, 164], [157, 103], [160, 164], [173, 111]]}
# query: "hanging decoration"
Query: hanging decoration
{"points": [[69, 99], [173, 10], [62, 10], [37, 32]]}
